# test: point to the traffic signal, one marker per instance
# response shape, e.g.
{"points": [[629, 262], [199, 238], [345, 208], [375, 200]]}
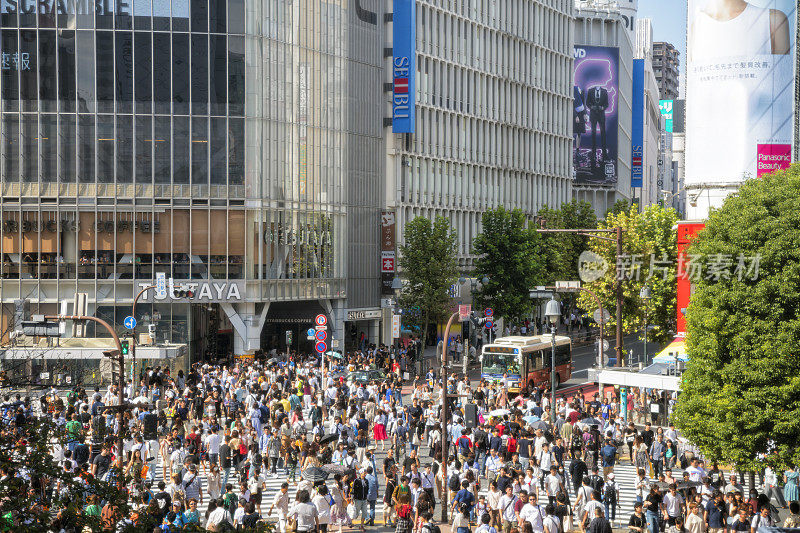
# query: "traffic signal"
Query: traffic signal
{"points": [[182, 292], [125, 347]]}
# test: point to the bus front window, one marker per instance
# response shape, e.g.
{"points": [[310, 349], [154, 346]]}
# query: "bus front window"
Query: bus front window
{"points": [[500, 363]]}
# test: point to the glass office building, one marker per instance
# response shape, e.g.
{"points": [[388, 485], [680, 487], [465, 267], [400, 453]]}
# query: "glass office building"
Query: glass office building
{"points": [[234, 145]]}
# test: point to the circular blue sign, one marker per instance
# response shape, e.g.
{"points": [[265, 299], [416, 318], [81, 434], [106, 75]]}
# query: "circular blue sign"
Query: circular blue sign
{"points": [[310, 332], [321, 335], [321, 347], [129, 322], [488, 312], [489, 324]]}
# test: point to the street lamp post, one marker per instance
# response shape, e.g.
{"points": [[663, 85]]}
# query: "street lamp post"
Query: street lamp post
{"points": [[121, 384], [553, 313], [644, 294], [445, 434]]}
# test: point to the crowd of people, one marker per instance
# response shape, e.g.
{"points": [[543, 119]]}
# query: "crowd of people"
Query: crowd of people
{"points": [[352, 454]]}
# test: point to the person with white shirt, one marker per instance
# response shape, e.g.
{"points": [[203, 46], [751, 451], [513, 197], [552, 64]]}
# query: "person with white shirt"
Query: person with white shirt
{"points": [[281, 503], [506, 509], [323, 501], [532, 513], [552, 524], [696, 472]]}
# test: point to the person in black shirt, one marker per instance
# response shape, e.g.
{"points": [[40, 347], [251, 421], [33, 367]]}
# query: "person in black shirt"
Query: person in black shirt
{"points": [[637, 522], [101, 463], [647, 436], [577, 470], [162, 498]]}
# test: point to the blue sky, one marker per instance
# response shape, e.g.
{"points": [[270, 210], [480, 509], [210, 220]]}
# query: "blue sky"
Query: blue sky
{"points": [[669, 24]]}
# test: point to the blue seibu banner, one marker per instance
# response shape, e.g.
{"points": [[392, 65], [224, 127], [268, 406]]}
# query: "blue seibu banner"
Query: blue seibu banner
{"points": [[404, 66], [637, 124]]}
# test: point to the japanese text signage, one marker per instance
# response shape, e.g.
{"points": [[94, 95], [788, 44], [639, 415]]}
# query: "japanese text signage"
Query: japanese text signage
{"points": [[404, 66]]}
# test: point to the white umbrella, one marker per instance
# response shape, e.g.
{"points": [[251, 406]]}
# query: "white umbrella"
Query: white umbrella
{"points": [[499, 412]]}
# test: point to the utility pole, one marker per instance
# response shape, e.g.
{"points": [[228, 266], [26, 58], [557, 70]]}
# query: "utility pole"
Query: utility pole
{"points": [[617, 239]]}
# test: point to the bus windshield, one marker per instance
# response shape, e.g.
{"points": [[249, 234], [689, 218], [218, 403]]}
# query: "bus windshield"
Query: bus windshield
{"points": [[500, 363]]}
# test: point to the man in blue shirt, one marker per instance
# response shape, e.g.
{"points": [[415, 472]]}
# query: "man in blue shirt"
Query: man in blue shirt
{"points": [[372, 494], [464, 496], [715, 515], [608, 454]]}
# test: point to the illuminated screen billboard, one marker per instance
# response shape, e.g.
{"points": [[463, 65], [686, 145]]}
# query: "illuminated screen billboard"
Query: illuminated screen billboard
{"points": [[595, 114], [740, 92]]}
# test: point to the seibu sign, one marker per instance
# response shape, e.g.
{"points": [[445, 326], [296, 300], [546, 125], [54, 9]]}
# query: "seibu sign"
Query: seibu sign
{"points": [[68, 7], [204, 291]]}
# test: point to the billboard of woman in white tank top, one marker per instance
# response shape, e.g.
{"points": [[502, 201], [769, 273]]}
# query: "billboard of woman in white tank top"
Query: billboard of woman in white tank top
{"points": [[740, 86]]}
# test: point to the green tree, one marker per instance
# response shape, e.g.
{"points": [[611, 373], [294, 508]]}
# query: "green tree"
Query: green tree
{"points": [[620, 206], [563, 249], [27, 450], [649, 255], [428, 264], [510, 255], [741, 389]]}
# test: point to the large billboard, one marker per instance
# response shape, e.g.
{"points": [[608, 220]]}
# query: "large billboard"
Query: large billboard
{"points": [[740, 92], [404, 65], [595, 114]]}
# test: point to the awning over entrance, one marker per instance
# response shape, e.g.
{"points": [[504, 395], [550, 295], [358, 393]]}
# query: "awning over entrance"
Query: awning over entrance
{"points": [[668, 354], [295, 312]]}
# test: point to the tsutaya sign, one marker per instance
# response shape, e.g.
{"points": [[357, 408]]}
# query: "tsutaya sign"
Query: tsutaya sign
{"points": [[67, 7], [204, 291]]}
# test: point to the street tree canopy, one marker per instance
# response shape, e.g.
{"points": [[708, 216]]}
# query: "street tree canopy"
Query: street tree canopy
{"points": [[741, 389], [564, 249], [511, 256], [649, 256], [428, 264]]}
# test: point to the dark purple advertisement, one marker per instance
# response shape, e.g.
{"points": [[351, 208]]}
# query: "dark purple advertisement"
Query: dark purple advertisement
{"points": [[595, 115]]}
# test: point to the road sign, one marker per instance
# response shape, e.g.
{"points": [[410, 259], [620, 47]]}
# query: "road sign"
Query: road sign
{"points": [[488, 312], [395, 326], [601, 319], [321, 335], [568, 286], [320, 328], [129, 322], [310, 332], [321, 320], [321, 347], [489, 324], [463, 312], [606, 345]]}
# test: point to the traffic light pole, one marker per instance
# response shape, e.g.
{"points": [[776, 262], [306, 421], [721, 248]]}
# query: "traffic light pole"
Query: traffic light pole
{"points": [[617, 240], [121, 385], [133, 334]]}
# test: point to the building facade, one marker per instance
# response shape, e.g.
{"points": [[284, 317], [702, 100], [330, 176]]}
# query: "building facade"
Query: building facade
{"points": [[654, 155], [493, 90], [233, 145], [607, 23], [666, 64]]}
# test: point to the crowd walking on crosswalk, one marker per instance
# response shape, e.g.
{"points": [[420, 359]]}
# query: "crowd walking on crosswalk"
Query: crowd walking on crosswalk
{"points": [[238, 445]]}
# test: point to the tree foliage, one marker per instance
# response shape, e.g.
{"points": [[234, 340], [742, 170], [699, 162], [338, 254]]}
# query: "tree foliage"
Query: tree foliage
{"points": [[37, 489], [511, 255], [428, 264], [741, 390], [649, 255], [563, 249]]}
